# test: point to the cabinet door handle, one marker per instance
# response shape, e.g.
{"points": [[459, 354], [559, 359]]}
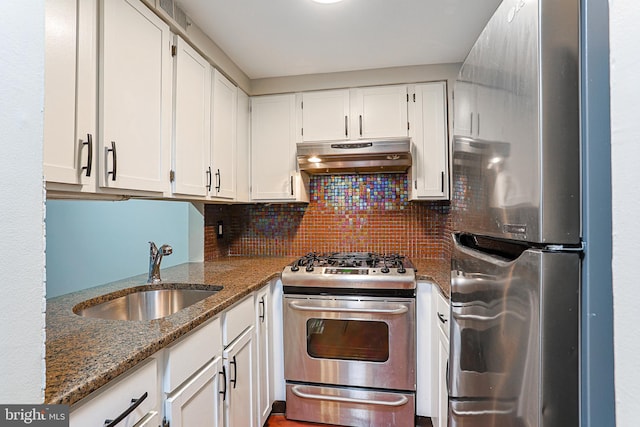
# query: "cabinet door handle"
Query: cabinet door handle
{"points": [[218, 181], [346, 126], [291, 183], [442, 182], [134, 404], [360, 120], [478, 125], [208, 172], [442, 318], [261, 317], [224, 381], [89, 145], [235, 372], [114, 170], [471, 127]]}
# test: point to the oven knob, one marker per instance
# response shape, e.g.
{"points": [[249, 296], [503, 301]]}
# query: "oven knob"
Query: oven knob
{"points": [[295, 267], [309, 268], [384, 269], [402, 270]]}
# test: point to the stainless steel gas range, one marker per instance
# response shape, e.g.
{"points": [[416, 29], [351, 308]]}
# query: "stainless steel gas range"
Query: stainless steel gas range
{"points": [[349, 339]]}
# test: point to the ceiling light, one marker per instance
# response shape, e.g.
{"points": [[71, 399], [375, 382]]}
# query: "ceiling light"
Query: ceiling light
{"points": [[327, 1]]}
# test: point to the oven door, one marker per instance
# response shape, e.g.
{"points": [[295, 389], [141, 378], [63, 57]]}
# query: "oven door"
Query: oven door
{"points": [[363, 342]]}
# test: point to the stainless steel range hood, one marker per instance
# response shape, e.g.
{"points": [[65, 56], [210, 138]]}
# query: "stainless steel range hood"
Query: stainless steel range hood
{"points": [[361, 156]]}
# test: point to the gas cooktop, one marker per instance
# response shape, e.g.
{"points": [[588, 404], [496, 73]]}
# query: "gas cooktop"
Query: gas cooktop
{"points": [[350, 270]]}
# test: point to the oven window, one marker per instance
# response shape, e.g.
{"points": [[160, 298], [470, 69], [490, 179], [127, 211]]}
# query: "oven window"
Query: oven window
{"points": [[348, 340]]}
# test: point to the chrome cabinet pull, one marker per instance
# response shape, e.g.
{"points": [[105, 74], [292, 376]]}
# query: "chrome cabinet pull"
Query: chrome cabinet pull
{"points": [[360, 119], [402, 400], [218, 181], [291, 183], [399, 310], [134, 404], [442, 182], [113, 172], [89, 145], [346, 126]]}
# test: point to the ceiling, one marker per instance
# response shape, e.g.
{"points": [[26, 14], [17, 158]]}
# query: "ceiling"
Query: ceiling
{"points": [[272, 38]]}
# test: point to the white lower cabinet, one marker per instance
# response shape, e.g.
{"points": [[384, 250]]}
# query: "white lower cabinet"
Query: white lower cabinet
{"points": [[240, 391], [138, 388], [440, 340], [424, 368], [264, 370], [196, 403], [192, 378]]}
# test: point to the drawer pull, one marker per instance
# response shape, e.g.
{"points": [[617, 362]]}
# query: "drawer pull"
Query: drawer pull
{"points": [[134, 404], [298, 391], [442, 318], [224, 381]]}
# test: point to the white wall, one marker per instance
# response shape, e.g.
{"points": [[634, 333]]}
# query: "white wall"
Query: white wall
{"points": [[22, 301], [625, 159]]}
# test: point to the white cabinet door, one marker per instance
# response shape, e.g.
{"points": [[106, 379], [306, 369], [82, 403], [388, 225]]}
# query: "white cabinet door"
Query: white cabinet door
{"points": [[379, 112], [325, 115], [70, 92], [223, 137], [243, 149], [440, 328], [430, 171], [273, 161], [425, 349], [198, 401], [264, 369], [135, 94], [464, 108], [239, 363], [192, 107], [443, 363]]}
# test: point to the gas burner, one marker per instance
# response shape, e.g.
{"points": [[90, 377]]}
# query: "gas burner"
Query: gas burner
{"points": [[350, 270]]}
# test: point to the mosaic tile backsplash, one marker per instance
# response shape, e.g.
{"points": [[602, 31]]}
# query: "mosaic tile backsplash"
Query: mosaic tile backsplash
{"points": [[345, 213]]}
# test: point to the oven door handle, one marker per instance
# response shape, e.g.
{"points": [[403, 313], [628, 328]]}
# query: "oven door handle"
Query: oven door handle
{"points": [[402, 400], [399, 310]]}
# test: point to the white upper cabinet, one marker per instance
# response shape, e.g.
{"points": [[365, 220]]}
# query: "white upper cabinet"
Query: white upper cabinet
{"points": [[325, 115], [464, 109], [192, 108], [379, 112], [223, 137], [273, 151], [430, 172], [370, 112], [70, 92], [135, 97]]}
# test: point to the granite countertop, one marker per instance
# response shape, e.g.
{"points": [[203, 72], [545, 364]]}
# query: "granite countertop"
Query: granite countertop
{"points": [[83, 354]]}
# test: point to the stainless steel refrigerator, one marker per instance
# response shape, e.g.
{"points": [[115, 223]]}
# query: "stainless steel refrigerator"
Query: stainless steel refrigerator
{"points": [[516, 259]]}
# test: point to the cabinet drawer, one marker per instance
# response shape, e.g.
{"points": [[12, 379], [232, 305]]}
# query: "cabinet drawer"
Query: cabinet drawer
{"points": [[236, 319], [192, 352], [442, 313], [114, 398]]}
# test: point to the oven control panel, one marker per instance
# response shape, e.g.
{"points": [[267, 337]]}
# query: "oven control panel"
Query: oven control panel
{"points": [[341, 270]]}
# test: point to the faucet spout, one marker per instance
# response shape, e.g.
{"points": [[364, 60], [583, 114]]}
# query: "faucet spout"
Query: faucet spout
{"points": [[155, 258]]}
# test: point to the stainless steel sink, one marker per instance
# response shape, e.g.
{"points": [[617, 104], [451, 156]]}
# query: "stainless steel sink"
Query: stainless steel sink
{"points": [[145, 303]]}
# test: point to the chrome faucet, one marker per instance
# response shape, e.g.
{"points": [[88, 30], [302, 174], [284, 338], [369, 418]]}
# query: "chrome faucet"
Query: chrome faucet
{"points": [[155, 258]]}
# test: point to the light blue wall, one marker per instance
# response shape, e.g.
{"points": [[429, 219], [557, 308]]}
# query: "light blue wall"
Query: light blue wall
{"points": [[90, 243]]}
